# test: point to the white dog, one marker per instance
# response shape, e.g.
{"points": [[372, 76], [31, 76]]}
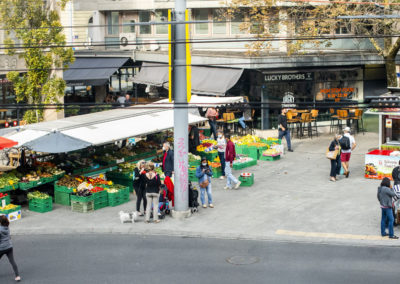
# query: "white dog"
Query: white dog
{"points": [[127, 217]]}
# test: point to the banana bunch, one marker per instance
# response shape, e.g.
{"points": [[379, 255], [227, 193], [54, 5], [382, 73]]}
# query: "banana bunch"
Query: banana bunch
{"points": [[9, 206]]}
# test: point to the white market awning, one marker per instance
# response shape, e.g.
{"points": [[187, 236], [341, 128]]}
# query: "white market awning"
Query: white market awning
{"points": [[79, 132]]}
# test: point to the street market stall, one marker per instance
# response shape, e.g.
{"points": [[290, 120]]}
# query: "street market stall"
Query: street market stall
{"points": [[380, 163]]}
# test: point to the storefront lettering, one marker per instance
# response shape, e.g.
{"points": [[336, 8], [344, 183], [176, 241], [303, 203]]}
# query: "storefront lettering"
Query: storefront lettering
{"points": [[289, 77], [334, 93]]}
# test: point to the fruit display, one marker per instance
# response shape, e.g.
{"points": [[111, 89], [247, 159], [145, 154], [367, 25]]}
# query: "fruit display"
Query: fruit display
{"points": [[97, 189], [9, 207], [7, 179], [32, 176], [245, 140], [193, 158], [214, 164], [258, 145], [69, 181], [2, 195], [271, 152], [208, 142], [37, 195], [127, 166]]}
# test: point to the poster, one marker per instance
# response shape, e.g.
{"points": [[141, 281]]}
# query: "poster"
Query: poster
{"points": [[379, 166]]}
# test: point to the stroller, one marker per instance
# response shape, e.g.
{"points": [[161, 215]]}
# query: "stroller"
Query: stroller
{"points": [[163, 203], [193, 198]]}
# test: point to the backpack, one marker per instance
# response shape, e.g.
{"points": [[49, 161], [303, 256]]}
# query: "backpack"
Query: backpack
{"points": [[345, 143]]}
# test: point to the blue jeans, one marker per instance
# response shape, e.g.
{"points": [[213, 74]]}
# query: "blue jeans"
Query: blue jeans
{"points": [[241, 122], [213, 128], [387, 214], [209, 194], [221, 156], [230, 178], [286, 133]]}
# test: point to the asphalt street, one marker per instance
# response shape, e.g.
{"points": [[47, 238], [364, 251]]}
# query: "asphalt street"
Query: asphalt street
{"points": [[116, 258]]}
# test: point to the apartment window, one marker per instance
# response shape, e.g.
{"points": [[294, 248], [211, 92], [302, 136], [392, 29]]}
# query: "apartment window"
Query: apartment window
{"points": [[273, 26], [236, 22], [342, 28], [128, 26], [144, 17], [113, 23], [219, 27], [201, 15], [160, 16], [257, 27]]}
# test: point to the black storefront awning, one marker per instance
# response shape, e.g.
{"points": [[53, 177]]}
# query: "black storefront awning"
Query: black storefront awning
{"points": [[93, 71], [205, 80]]}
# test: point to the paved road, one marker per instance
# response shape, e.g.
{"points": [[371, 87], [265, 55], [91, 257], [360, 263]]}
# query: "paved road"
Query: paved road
{"points": [[132, 259]]}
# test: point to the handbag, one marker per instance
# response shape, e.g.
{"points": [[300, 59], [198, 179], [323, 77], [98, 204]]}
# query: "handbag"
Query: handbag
{"points": [[204, 184], [332, 155]]}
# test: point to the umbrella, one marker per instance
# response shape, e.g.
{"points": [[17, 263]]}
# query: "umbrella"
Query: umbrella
{"points": [[6, 143]]}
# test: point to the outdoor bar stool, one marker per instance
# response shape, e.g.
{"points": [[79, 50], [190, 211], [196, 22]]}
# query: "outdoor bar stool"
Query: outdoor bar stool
{"points": [[305, 125], [357, 119], [292, 121], [334, 122], [314, 116], [342, 115]]}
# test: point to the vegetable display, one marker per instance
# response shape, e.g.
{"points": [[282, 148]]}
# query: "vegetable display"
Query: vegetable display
{"points": [[38, 195]]}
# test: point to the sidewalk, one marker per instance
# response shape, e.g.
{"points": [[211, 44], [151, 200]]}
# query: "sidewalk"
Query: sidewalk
{"points": [[292, 199]]}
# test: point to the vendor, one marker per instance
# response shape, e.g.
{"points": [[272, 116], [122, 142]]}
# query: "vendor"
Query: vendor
{"points": [[211, 115], [194, 140], [168, 160]]}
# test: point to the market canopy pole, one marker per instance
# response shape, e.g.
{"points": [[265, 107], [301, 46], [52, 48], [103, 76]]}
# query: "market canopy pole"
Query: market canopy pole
{"points": [[179, 91]]}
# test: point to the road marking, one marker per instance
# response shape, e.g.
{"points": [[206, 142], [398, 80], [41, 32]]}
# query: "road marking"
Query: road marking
{"points": [[330, 235]]}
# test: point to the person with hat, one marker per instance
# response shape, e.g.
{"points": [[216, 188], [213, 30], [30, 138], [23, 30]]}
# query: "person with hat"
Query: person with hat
{"points": [[347, 145]]}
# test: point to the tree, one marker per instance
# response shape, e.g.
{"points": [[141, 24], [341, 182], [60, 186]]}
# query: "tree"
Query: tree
{"points": [[315, 24], [34, 32]]}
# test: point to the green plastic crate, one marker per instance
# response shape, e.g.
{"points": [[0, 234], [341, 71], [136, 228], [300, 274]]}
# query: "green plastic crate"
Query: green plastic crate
{"points": [[125, 182], [28, 185], [269, 158], [100, 199], [61, 188], [82, 198], [239, 149], [217, 174], [100, 205], [119, 175], [252, 152], [210, 156], [41, 205], [62, 198], [251, 163], [6, 198], [82, 207], [247, 181], [194, 164], [2, 211]]}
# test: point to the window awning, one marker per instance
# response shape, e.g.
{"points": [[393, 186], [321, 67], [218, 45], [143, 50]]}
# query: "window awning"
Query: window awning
{"points": [[205, 80], [155, 74], [93, 71]]}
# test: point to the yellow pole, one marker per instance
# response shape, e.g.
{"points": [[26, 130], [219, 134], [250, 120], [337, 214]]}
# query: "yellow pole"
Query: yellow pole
{"points": [[188, 59], [170, 46]]}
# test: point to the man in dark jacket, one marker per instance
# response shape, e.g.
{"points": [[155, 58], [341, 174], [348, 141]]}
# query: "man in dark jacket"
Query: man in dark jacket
{"points": [[396, 174], [168, 160], [283, 129], [230, 155]]}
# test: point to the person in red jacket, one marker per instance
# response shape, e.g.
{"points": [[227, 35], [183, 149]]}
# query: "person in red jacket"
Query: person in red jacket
{"points": [[230, 155]]}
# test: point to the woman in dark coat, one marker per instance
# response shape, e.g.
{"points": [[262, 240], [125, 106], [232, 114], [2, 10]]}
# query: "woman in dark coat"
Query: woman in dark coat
{"points": [[335, 164], [139, 186]]}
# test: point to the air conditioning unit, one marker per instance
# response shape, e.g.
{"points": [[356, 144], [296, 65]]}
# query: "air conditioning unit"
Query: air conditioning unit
{"points": [[150, 45], [127, 41]]}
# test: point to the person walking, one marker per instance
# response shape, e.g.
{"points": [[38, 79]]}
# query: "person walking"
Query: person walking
{"points": [[335, 163], [204, 174], [211, 115], [385, 196], [347, 145], [168, 160], [139, 186], [6, 247], [396, 175], [230, 155], [153, 184], [283, 129], [221, 146]]}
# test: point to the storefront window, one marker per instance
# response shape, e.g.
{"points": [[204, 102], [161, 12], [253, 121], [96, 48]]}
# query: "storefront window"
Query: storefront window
{"points": [[144, 16], [201, 15], [161, 15], [112, 23]]}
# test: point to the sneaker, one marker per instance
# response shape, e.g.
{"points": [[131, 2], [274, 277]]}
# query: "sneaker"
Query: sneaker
{"points": [[221, 177], [347, 174], [238, 184], [394, 237], [211, 206], [204, 206], [140, 214], [290, 150], [227, 187]]}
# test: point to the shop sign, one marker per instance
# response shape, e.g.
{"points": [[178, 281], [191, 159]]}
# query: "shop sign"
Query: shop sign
{"points": [[288, 100], [388, 123], [379, 166], [289, 77], [337, 93]]}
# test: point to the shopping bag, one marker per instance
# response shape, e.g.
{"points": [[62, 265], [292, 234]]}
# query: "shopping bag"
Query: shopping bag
{"points": [[332, 155]]}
